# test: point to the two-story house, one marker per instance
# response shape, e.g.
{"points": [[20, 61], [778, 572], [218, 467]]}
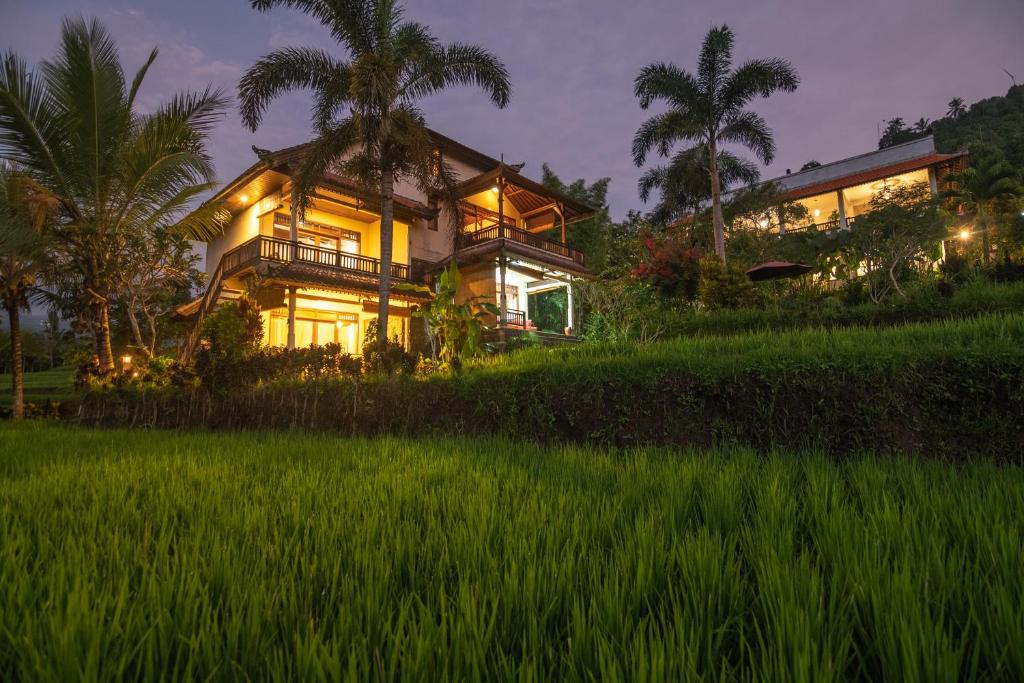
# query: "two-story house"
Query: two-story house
{"points": [[320, 285]]}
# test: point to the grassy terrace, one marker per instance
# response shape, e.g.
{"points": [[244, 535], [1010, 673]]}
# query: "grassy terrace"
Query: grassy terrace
{"points": [[988, 337], [229, 556], [54, 385]]}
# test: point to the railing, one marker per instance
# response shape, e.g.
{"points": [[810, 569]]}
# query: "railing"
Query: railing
{"points": [[514, 318], [508, 232], [278, 250], [205, 306]]}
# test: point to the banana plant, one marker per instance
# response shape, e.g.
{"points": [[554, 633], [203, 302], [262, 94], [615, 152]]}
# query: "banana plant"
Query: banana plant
{"points": [[457, 327]]}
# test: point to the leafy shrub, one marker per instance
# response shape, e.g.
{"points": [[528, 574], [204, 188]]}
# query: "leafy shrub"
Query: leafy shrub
{"points": [[231, 333], [673, 269], [725, 286], [392, 359]]}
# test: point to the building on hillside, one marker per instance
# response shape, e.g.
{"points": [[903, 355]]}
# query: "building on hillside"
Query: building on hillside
{"points": [[834, 195], [316, 279]]}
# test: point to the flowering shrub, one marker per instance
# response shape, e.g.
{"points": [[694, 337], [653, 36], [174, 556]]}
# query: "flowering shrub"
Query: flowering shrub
{"points": [[670, 267]]}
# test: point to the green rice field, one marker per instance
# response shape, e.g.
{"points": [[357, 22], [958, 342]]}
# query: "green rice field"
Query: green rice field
{"points": [[53, 385], [271, 556]]}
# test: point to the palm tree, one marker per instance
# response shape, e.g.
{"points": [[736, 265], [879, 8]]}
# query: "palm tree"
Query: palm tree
{"points": [[368, 102], [706, 109], [685, 185], [23, 258], [956, 108], [989, 190], [922, 125], [72, 126]]}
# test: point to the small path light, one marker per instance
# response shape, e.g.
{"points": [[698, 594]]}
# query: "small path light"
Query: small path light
{"points": [[965, 234]]}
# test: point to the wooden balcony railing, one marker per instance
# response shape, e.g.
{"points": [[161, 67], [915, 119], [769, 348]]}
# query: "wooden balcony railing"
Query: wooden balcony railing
{"points": [[514, 318], [514, 234], [276, 250]]}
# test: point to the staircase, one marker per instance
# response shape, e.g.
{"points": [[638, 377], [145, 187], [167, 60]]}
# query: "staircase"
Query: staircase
{"points": [[215, 295]]}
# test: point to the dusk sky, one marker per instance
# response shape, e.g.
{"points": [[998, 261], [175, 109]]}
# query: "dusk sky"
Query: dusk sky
{"points": [[572, 64]]}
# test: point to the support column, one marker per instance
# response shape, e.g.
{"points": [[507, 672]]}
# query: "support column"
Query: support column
{"points": [[293, 235], [843, 225], [292, 296], [501, 206], [502, 299], [570, 317], [933, 182], [561, 217]]}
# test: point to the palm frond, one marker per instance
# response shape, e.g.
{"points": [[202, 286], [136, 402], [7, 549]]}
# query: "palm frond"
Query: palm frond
{"points": [[662, 131], [31, 127], [460, 64], [669, 83], [750, 130], [289, 68], [757, 77], [715, 59], [350, 21]]}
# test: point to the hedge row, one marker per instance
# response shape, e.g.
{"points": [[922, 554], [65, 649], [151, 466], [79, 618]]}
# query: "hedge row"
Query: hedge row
{"points": [[949, 390]]}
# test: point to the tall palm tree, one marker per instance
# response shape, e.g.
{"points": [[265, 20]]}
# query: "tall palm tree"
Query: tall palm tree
{"points": [[23, 258], [957, 108], [72, 126], [684, 182], [989, 189], [922, 125], [706, 110], [365, 112]]}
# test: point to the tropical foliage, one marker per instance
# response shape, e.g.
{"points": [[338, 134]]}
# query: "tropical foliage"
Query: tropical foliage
{"points": [[24, 244], [456, 329], [707, 111], [365, 112], [73, 126], [989, 192]]}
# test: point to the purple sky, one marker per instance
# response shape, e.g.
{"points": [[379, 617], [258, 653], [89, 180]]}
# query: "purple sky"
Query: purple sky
{"points": [[573, 61]]}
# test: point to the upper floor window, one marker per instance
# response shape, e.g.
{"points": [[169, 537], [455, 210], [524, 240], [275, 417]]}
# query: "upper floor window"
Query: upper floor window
{"points": [[318, 235]]}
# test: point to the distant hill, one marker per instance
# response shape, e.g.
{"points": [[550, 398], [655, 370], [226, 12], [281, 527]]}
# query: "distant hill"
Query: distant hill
{"points": [[996, 120]]}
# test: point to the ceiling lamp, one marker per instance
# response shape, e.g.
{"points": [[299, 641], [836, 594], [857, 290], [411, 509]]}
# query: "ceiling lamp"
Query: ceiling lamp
{"points": [[244, 199]]}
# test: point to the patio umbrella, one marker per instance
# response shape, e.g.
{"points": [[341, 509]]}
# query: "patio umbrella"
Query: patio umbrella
{"points": [[777, 270]]}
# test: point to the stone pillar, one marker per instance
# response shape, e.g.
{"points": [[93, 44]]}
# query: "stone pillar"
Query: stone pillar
{"points": [[570, 318], [933, 181], [843, 225]]}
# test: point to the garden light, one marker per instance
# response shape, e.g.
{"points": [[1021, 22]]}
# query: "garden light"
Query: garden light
{"points": [[965, 234]]}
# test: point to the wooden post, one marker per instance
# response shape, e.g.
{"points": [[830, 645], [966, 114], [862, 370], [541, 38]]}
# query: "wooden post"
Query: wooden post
{"points": [[293, 226], [292, 296], [502, 299], [501, 206], [560, 210]]}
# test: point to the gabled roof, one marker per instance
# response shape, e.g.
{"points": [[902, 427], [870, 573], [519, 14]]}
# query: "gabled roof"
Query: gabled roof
{"points": [[529, 195]]}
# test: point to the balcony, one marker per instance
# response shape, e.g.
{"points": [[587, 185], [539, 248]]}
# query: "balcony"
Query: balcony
{"points": [[502, 235], [271, 250]]}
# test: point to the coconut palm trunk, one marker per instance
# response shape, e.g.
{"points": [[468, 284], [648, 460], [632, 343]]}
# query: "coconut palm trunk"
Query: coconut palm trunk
{"points": [[17, 364], [387, 233], [718, 219]]}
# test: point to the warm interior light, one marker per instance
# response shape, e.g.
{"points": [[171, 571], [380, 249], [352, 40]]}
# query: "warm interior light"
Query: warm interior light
{"points": [[965, 234], [764, 223], [495, 189], [817, 212], [126, 360], [244, 199]]}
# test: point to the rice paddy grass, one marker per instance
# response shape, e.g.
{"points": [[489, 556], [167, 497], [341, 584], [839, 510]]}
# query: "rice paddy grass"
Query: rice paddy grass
{"points": [[269, 556]]}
